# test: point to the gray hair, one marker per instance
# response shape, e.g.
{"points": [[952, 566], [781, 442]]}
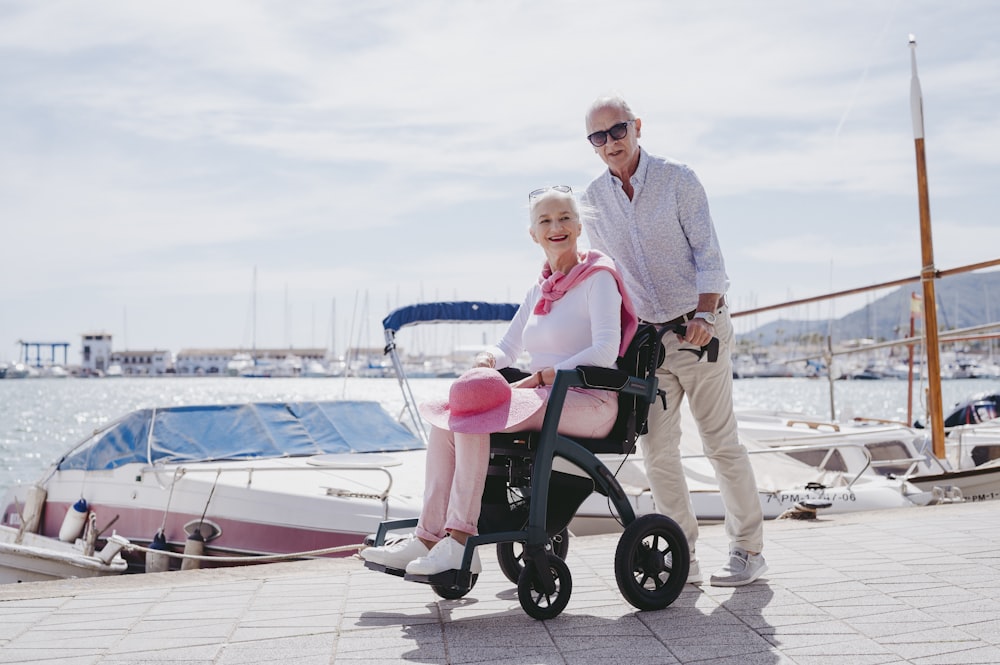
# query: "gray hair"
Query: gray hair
{"points": [[613, 100], [583, 211]]}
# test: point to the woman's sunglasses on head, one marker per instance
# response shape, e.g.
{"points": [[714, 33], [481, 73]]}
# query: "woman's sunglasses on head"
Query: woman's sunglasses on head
{"points": [[535, 193]]}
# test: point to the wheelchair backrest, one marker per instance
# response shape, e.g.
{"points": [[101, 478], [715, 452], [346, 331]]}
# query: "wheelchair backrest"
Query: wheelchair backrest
{"points": [[641, 359]]}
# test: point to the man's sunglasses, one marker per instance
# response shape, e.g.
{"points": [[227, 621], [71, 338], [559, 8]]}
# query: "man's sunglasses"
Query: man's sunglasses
{"points": [[535, 193], [616, 132]]}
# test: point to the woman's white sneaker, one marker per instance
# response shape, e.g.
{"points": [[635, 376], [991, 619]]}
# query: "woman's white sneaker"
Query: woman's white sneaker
{"points": [[445, 555], [396, 555]]}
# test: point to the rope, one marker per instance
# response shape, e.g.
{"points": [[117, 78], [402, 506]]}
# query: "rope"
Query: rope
{"points": [[245, 559]]}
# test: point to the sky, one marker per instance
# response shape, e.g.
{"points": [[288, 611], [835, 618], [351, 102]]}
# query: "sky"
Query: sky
{"points": [[246, 172]]}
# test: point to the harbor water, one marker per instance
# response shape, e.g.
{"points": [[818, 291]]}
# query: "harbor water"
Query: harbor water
{"points": [[41, 418]]}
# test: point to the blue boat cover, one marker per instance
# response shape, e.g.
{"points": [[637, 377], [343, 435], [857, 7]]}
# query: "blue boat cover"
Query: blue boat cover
{"points": [[241, 431], [448, 312]]}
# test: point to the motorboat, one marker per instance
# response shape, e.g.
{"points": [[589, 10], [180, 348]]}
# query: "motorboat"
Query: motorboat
{"points": [[969, 471], [789, 483], [247, 480], [238, 363]]}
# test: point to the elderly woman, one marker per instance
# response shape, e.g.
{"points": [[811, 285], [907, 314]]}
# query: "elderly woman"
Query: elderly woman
{"points": [[576, 314]]}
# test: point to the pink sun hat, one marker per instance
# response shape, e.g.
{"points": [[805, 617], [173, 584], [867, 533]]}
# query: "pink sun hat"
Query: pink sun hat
{"points": [[482, 402]]}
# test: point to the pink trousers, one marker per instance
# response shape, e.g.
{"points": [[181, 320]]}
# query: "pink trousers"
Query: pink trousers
{"points": [[456, 462]]}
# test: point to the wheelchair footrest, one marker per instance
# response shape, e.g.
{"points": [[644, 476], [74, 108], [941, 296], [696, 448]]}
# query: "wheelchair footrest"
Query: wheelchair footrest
{"points": [[458, 579], [398, 572]]}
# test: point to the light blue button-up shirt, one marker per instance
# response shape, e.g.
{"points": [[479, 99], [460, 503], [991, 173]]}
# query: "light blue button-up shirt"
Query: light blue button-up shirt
{"points": [[663, 239]]}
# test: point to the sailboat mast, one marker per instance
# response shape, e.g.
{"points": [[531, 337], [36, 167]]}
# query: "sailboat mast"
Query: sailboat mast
{"points": [[253, 319], [927, 271]]}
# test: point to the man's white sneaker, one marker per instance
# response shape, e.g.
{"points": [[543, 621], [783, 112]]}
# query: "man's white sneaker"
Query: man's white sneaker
{"points": [[445, 555], [694, 570], [694, 573], [396, 555], [742, 568]]}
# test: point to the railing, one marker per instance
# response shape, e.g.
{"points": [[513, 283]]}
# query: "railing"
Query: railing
{"points": [[911, 462]]}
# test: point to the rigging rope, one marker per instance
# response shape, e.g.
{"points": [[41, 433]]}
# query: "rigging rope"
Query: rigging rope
{"points": [[245, 559]]}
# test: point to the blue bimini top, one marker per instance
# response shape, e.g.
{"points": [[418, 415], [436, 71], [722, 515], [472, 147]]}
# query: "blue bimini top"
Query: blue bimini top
{"points": [[241, 431]]}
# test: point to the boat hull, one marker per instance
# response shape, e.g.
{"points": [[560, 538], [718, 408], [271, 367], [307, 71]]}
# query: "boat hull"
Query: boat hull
{"points": [[981, 483], [242, 509]]}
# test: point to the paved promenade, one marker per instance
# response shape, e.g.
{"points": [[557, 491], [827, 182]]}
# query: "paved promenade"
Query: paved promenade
{"points": [[917, 585]]}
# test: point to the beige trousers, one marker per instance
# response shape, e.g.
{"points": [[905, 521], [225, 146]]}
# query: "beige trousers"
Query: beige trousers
{"points": [[709, 389]]}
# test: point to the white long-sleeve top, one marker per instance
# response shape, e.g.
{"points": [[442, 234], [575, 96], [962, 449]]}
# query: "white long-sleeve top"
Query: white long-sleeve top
{"points": [[582, 328]]}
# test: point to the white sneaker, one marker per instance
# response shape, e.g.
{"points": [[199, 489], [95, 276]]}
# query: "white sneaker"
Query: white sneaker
{"points": [[445, 555], [742, 568], [694, 570], [694, 573], [397, 554]]}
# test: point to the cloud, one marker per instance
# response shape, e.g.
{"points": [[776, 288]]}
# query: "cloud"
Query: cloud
{"points": [[158, 151]]}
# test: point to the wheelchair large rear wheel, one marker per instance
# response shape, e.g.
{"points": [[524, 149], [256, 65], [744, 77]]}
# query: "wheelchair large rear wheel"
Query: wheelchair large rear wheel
{"points": [[652, 561], [510, 555], [535, 602]]}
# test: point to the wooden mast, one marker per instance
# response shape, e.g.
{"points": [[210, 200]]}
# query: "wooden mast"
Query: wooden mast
{"points": [[927, 271]]}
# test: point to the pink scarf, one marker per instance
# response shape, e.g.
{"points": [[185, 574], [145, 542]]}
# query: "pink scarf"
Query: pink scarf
{"points": [[556, 285]]}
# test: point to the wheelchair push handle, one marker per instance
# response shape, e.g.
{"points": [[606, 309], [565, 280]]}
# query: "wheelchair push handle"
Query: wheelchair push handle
{"points": [[710, 350]]}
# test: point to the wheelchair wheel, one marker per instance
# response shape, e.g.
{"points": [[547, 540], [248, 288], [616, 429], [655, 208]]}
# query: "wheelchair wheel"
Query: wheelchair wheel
{"points": [[452, 592], [510, 554], [538, 604], [652, 561]]}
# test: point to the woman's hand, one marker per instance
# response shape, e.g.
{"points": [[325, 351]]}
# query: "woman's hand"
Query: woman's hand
{"points": [[485, 359], [539, 379]]}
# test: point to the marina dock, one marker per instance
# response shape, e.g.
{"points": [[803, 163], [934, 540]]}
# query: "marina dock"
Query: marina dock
{"points": [[913, 585]]}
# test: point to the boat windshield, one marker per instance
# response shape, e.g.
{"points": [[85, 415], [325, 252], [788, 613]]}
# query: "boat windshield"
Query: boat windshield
{"points": [[241, 431]]}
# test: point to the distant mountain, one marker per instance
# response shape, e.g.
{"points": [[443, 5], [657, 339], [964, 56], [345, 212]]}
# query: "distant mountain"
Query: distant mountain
{"points": [[962, 300]]}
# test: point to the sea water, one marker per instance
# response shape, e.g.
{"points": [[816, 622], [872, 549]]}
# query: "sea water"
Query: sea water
{"points": [[40, 419]]}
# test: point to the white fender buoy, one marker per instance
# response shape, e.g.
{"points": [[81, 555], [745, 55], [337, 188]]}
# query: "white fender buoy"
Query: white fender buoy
{"points": [[72, 525], [157, 562], [195, 545]]}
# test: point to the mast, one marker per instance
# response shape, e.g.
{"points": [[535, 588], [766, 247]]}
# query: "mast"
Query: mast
{"points": [[253, 319], [927, 272]]}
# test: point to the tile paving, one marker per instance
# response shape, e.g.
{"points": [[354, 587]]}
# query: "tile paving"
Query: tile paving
{"points": [[919, 585]]}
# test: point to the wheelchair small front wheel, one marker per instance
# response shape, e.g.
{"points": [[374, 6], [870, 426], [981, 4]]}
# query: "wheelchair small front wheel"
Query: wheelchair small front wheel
{"points": [[453, 592], [535, 602], [510, 555], [652, 562]]}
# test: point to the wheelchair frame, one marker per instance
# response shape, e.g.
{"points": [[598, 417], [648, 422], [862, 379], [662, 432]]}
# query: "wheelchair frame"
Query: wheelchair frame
{"points": [[545, 583]]}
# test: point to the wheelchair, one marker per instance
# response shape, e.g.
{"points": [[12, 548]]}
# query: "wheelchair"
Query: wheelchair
{"points": [[527, 507]]}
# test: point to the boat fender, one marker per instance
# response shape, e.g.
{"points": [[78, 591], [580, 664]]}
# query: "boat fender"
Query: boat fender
{"points": [[194, 545], [157, 562], [72, 525]]}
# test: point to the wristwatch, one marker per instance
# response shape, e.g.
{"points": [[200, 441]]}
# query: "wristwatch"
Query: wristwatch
{"points": [[709, 317]]}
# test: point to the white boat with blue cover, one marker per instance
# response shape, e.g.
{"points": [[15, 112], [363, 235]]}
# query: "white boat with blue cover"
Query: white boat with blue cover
{"points": [[250, 479]]}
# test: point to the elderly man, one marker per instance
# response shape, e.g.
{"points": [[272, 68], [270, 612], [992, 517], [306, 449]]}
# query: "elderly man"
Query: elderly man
{"points": [[653, 220]]}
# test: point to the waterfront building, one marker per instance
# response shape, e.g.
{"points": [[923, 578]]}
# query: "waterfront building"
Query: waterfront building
{"points": [[215, 362], [95, 352], [143, 363]]}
